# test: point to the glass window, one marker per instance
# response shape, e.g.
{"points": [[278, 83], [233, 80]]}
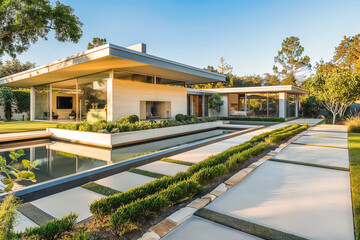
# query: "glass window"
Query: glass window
{"points": [[273, 110], [257, 105], [170, 82], [42, 106], [63, 103], [133, 77], [237, 104], [290, 105], [93, 97]]}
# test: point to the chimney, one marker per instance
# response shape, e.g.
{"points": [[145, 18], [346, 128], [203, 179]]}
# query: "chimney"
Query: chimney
{"points": [[140, 47]]}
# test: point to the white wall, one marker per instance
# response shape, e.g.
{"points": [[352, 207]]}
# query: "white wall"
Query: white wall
{"points": [[15, 116], [224, 108], [128, 94]]}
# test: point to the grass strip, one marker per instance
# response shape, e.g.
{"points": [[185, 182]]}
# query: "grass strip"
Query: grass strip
{"points": [[354, 155], [177, 161], [98, 188], [146, 173]]}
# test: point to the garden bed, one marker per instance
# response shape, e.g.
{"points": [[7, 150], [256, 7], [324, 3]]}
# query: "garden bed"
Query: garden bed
{"points": [[126, 138]]}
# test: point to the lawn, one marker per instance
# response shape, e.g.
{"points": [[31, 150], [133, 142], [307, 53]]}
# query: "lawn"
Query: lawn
{"points": [[23, 126], [354, 152]]}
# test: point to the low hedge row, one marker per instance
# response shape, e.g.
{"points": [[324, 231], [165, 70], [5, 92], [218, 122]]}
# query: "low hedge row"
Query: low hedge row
{"points": [[278, 137], [126, 126], [260, 119], [203, 172], [264, 135], [128, 215]]}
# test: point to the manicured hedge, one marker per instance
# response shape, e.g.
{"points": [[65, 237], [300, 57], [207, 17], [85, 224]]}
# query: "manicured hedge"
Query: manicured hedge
{"points": [[260, 119], [278, 137], [127, 124], [132, 213], [266, 134], [237, 159]]}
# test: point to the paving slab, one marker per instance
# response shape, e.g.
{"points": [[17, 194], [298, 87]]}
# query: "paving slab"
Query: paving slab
{"points": [[202, 229], [164, 168], [76, 200], [124, 181], [322, 141], [306, 201], [330, 128], [327, 134], [331, 157], [22, 222]]}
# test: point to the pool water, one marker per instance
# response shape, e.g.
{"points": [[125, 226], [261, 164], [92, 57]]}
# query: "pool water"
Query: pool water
{"points": [[58, 159]]}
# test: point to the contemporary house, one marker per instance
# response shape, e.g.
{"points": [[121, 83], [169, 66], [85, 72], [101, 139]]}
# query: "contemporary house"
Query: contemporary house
{"points": [[264, 101], [108, 82]]}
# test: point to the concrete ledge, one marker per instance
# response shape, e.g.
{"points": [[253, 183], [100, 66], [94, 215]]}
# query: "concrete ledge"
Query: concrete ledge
{"points": [[246, 226]]}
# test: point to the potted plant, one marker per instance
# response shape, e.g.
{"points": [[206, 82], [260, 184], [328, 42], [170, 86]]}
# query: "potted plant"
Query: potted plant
{"points": [[72, 115], [55, 116]]}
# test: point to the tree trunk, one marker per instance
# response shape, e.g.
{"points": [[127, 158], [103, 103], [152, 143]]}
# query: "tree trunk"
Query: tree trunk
{"points": [[334, 117]]}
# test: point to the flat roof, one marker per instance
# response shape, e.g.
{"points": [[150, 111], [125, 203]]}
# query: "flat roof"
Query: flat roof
{"points": [[260, 89], [108, 57]]}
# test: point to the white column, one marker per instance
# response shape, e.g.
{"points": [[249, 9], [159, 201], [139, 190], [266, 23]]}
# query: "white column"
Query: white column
{"points": [[50, 102], [245, 105], [297, 105], [110, 94], [78, 113], [191, 105], [282, 105], [32, 103]]}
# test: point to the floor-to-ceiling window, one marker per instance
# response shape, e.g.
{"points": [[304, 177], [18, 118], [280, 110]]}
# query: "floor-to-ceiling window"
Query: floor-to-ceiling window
{"points": [[237, 105], [63, 100], [42, 106], [257, 104], [273, 109], [290, 105], [92, 97]]}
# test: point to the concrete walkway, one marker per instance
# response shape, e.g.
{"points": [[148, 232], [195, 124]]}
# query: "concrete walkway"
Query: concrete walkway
{"points": [[78, 199], [304, 191]]}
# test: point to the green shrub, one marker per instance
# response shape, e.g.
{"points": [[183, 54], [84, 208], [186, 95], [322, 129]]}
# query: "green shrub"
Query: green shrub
{"points": [[7, 216], [124, 120], [278, 137], [107, 205], [133, 118], [141, 209], [260, 119], [237, 159], [208, 174], [52, 229], [85, 126], [180, 117]]}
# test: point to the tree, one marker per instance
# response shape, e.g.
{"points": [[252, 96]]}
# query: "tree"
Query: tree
{"points": [[271, 80], [224, 68], [215, 102], [96, 42], [336, 90], [14, 66], [24, 22], [326, 67], [347, 54], [292, 61]]}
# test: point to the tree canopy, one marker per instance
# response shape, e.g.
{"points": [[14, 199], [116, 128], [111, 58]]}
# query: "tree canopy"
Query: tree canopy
{"points": [[292, 62], [347, 54], [336, 90], [24, 22], [96, 42], [14, 66]]}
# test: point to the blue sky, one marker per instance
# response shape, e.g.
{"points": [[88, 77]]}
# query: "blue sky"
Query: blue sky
{"points": [[247, 33]]}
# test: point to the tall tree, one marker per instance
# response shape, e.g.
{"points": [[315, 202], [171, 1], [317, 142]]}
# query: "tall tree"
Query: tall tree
{"points": [[271, 80], [23, 22], [14, 66], [224, 67], [337, 90], [347, 54], [292, 61], [96, 42]]}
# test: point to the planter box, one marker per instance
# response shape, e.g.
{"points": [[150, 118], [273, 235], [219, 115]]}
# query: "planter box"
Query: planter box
{"points": [[124, 138]]}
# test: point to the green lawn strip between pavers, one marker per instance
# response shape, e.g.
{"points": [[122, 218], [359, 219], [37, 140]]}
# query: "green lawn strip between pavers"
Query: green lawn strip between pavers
{"points": [[146, 173], [354, 155], [141, 197], [176, 161], [101, 189], [24, 126]]}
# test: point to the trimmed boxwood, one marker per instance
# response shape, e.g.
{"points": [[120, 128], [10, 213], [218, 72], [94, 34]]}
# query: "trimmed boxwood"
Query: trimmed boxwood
{"points": [[237, 159], [180, 117], [278, 137], [208, 174], [133, 118]]}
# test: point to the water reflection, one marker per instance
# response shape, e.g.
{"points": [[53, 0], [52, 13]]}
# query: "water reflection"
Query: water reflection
{"points": [[58, 159]]}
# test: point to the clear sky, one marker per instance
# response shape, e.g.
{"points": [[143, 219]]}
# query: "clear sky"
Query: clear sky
{"points": [[247, 33]]}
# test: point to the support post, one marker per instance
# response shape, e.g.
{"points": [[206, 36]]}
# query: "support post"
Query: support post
{"points": [[110, 94], [245, 105], [297, 105], [203, 105], [32, 103], [282, 105], [50, 102], [78, 113]]}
